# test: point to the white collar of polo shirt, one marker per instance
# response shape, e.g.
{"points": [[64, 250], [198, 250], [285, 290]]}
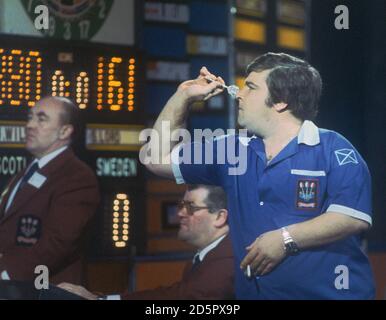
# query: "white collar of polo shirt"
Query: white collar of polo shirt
{"points": [[309, 134], [245, 140]]}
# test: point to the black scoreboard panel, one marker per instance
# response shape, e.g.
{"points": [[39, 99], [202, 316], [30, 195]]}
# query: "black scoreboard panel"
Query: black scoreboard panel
{"points": [[104, 82], [121, 224]]}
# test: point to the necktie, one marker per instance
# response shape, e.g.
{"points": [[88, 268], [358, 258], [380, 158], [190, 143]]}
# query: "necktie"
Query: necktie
{"points": [[196, 261], [27, 175]]}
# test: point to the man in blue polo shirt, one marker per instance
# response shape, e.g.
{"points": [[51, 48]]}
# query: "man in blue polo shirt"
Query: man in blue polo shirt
{"points": [[296, 213]]}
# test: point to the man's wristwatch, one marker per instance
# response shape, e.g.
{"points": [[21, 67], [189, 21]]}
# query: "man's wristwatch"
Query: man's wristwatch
{"points": [[290, 246]]}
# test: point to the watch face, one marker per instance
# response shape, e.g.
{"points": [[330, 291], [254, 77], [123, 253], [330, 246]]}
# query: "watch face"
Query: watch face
{"points": [[71, 19], [292, 248]]}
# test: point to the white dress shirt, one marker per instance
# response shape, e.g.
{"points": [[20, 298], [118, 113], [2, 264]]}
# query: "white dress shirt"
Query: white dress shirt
{"points": [[203, 252], [41, 163]]}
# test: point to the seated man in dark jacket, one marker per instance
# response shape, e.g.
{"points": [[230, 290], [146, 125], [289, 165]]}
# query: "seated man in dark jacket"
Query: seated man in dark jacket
{"points": [[203, 224]]}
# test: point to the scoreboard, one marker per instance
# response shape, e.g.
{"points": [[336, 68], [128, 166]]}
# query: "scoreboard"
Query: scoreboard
{"points": [[103, 80], [100, 79]]}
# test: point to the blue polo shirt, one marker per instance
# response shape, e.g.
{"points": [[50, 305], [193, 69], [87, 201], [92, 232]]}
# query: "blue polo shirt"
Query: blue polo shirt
{"points": [[317, 172]]}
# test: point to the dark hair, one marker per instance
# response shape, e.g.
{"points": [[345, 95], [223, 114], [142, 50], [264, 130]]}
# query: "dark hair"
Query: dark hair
{"points": [[216, 199], [292, 81]]}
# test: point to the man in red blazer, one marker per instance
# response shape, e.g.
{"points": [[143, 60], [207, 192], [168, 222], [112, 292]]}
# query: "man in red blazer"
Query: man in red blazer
{"points": [[46, 208], [203, 224]]}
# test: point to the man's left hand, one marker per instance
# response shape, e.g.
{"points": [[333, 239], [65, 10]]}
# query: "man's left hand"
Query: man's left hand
{"points": [[265, 253]]}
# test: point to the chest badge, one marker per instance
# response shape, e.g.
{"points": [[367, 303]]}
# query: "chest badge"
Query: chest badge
{"points": [[307, 193], [28, 230]]}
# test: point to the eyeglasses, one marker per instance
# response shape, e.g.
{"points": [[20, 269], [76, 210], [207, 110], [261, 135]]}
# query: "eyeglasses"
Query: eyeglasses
{"points": [[189, 208]]}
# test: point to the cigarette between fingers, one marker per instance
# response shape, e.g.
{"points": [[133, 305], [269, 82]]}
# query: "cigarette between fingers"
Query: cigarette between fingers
{"points": [[248, 272]]}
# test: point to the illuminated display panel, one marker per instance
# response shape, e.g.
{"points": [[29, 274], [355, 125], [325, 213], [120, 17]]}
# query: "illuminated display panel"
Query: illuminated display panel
{"points": [[121, 219], [20, 77], [101, 80], [120, 223]]}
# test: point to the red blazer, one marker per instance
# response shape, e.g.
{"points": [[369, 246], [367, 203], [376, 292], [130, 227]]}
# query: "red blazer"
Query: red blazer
{"points": [[212, 279], [46, 225]]}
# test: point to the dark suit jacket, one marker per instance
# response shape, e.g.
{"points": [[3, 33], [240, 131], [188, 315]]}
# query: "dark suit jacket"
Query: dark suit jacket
{"points": [[46, 225], [212, 279]]}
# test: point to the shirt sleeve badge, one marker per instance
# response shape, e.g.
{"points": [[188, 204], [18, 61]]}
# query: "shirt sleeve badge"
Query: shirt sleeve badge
{"points": [[345, 156]]}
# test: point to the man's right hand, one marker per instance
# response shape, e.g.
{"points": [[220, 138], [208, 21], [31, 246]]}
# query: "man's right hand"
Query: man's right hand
{"points": [[201, 88], [78, 290], [175, 112]]}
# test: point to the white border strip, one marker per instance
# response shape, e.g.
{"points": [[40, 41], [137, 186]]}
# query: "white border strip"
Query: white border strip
{"points": [[308, 173], [176, 164], [350, 212]]}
